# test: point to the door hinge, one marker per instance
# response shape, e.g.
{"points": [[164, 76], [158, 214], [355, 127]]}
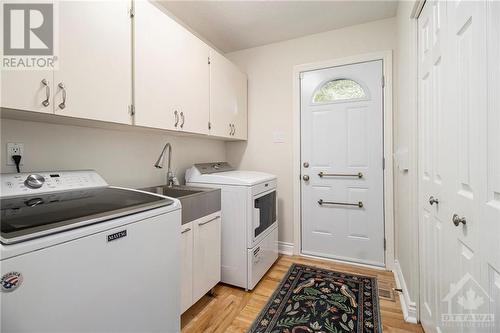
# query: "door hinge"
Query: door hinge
{"points": [[209, 125], [131, 109], [131, 11], [209, 60], [383, 163], [383, 81], [385, 244]]}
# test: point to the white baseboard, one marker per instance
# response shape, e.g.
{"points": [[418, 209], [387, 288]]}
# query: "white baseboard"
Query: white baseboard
{"points": [[285, 248], [408, 307]]}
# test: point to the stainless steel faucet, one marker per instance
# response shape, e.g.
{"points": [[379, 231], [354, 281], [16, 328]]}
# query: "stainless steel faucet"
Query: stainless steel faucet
{"points": [[161, 162]]}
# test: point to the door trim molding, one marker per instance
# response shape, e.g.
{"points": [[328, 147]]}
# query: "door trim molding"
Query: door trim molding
{"points": [[386, 57]]}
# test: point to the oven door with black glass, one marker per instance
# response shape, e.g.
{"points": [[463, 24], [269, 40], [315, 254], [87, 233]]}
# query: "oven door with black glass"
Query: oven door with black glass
{"points": [[264, 214]]}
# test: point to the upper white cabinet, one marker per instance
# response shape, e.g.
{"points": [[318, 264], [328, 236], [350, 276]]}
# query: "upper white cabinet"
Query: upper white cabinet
{"points": [[171, 73], [228, 98], [174, 81], [27, 90], [94, 78]]}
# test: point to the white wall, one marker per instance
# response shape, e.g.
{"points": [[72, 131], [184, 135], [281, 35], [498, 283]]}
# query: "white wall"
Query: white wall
{"points": [[269, 70], [123, 158], [405, 190]]}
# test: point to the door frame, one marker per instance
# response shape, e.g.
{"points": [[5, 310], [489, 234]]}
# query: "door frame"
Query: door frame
{"points": [[386, 57]]}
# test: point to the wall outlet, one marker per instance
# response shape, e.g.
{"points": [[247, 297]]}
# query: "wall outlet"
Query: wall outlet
{"points": [[14, 149]]}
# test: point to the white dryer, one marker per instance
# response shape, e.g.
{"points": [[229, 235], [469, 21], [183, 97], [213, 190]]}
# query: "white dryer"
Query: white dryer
{"points": [[249, 220]]}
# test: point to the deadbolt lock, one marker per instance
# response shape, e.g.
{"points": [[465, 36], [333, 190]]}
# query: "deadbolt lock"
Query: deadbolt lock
{"points": [[306, 164]]}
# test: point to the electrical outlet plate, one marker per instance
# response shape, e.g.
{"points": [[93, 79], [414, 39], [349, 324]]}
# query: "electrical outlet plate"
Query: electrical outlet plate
{"points": [[14, 149]]}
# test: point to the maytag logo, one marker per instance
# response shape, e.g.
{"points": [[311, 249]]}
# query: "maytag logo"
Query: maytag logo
{"points": [[117, 235]]}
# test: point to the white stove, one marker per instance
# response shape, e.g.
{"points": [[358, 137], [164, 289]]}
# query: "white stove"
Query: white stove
{"points": [[249, 220], [77, 255]]}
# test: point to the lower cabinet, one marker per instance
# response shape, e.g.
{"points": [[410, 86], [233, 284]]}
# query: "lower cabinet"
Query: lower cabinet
{"points": [[186, 266], [201, 258]]}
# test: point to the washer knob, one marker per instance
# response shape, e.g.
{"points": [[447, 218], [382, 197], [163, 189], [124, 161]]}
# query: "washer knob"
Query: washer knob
{"points": [[34, 181]]}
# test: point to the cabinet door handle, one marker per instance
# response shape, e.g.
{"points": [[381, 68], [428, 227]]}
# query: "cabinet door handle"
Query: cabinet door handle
{"points": [[183, 120], [176, 115], [186, 230], [203, 223], [230, 129], [234, 129], [62, 105], [46, 102]]}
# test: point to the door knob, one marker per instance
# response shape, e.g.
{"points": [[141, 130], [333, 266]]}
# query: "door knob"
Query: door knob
{"points": [[305, 177], [433, 200], [457, 220]]}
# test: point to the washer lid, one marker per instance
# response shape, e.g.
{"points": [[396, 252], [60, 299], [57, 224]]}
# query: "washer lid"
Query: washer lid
{"points": [[34, 216], [241, 178]]}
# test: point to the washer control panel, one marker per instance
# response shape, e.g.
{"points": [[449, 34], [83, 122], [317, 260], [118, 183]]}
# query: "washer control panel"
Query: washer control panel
{"points": [[22, 184]]}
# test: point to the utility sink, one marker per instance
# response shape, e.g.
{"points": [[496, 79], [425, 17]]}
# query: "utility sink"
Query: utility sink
{"points": [[196, 202], [175, 192]]}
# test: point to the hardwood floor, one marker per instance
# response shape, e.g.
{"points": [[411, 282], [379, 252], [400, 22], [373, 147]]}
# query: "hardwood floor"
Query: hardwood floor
{"points": [[233, 310]]}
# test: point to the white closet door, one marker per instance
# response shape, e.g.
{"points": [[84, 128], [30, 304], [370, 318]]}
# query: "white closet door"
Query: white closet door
{"points": [[490, 203], [434, 151], [465, 130], [94, 61], [459, 124]]}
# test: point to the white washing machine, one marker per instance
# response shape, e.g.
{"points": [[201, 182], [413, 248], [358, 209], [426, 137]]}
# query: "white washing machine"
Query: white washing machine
{"points": [[77, 255], [249, 220]]}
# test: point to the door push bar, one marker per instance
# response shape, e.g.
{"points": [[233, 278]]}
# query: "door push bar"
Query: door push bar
{"points": [[322, 174], [359, 204]]}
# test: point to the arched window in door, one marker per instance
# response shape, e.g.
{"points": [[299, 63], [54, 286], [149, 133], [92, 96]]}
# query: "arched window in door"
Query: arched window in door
{"points": [[337, 90]]}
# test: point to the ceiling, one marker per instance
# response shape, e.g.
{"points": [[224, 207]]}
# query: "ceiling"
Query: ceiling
{"points": [[237, 25]]}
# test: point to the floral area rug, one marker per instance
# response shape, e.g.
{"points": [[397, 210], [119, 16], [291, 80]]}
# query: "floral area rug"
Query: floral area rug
{"points": [[311, 299]]}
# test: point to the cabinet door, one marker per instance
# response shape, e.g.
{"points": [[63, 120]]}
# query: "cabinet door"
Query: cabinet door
{"points": [[24, 89], [27, 90], [240, 119], [171, 73], [94, 61], [206, 255], [186, 266], [228, 98]]}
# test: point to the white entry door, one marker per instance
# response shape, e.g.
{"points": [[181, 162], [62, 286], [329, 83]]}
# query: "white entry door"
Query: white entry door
{"points": [[342, 163]]}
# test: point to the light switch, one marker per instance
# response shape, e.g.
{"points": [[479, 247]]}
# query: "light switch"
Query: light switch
{"points": [[402, 159], [279, 137]]}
